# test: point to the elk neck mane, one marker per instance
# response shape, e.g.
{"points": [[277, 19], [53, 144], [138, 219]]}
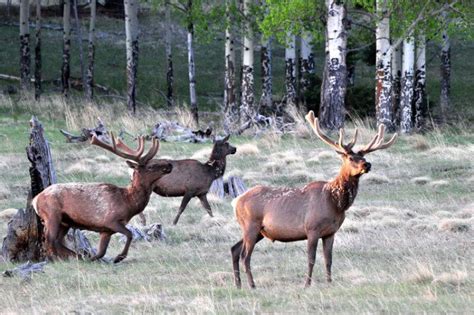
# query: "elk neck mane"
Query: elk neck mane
{"points": [[343, 190], [217, 166]]}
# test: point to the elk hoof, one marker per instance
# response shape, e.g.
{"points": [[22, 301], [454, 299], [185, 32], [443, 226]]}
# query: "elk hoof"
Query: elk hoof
{"points": [[119, 258]]}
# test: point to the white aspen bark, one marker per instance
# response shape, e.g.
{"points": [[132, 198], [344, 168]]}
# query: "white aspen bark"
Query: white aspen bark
{"points": [[333, 92], [38, 51], [131, 33], [307, 67], [406, 97], [420, 101], [396, 79], [266, 102], [231, 110], [65, 70], [91, 52], [247, 109], [383, 75], [169, 57], [192, 77], [445, 70], [25, 58], [290, 72]]}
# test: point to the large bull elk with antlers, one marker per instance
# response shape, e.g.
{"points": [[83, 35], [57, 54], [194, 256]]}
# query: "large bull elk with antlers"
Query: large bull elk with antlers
{"points": [[315, 211], [103, 208]]}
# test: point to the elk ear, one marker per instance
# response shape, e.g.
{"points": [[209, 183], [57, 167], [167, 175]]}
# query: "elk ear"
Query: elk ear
{"points": [[132, 164], [226, 138]]}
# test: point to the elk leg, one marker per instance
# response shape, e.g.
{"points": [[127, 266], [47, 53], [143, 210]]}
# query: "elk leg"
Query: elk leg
{"points": [[119, 228], [205, 204], [327, 250], [64, 252], [103, 244], [249, 245], [236, 250], [312, 246], [52, 230], [183, 205]]}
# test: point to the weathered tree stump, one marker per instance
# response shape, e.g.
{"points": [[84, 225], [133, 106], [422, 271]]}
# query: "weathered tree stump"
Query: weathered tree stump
{"points": [[233, 187], [23, 241]]}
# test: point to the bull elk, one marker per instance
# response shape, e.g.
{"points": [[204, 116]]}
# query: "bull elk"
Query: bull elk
{"points": [[103, 208], [191, 178], [315, 211]]}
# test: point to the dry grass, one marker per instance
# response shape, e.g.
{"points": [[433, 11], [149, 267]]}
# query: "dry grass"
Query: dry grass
{"points": [[405, 246]]}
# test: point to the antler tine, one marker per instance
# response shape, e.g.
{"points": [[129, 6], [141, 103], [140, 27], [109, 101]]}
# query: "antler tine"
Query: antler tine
{"points": [[138, 152], [155, 146], [115, 149], [377, 142], [353, 141], [341, 138], [314, 122]]}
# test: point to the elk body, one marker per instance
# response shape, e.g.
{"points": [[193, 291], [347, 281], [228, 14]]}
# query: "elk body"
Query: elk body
{"points": [[191, 178], [103, 208], [315, 211]]}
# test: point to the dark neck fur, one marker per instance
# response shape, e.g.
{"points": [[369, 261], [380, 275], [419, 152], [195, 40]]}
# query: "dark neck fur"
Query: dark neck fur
{"points": [[343, 190], [138, 194], [217, 166]]}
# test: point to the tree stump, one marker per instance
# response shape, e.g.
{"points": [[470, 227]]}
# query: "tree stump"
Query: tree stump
{"points": [[233, 187], [23, 241]]}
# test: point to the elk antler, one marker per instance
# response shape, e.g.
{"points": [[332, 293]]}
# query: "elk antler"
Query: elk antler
{"points": [[377, 142], [338, 146], [118, 147]]}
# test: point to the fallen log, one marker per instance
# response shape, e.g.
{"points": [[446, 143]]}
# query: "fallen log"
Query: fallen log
{"points": [[172, 131], [25, 270], [153, 232]]}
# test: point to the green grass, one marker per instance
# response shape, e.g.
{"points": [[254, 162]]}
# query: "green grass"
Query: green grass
{"points": [[397, 251]]}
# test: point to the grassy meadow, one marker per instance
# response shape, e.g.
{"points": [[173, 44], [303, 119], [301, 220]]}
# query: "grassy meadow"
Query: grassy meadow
{"points": [[406, 245]]}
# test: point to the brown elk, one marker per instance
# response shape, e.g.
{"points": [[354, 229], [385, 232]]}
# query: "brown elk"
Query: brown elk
{"points": [[103, 208], [191, 178], [314, 211]]}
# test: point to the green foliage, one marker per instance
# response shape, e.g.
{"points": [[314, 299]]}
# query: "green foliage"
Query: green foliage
{"points": [[292, 16]]}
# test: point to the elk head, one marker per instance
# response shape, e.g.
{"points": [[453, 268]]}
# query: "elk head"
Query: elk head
{"points": [[222, 148], [354, 163], [144, 166]]}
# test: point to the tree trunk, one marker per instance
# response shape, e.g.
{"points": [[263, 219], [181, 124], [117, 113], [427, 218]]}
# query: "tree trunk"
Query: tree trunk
{"points": [[383, 76], [169, 59], [396, 79], [290, 72], [420, 101], [231, 110], [406, 89], [65, 70], [333, 93], [445, 71], [266, 103], [91, 53], [79, 42], [25, 231], [247, 109], [25, 58], [131, 32], [38, 51], [307, 66]]}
